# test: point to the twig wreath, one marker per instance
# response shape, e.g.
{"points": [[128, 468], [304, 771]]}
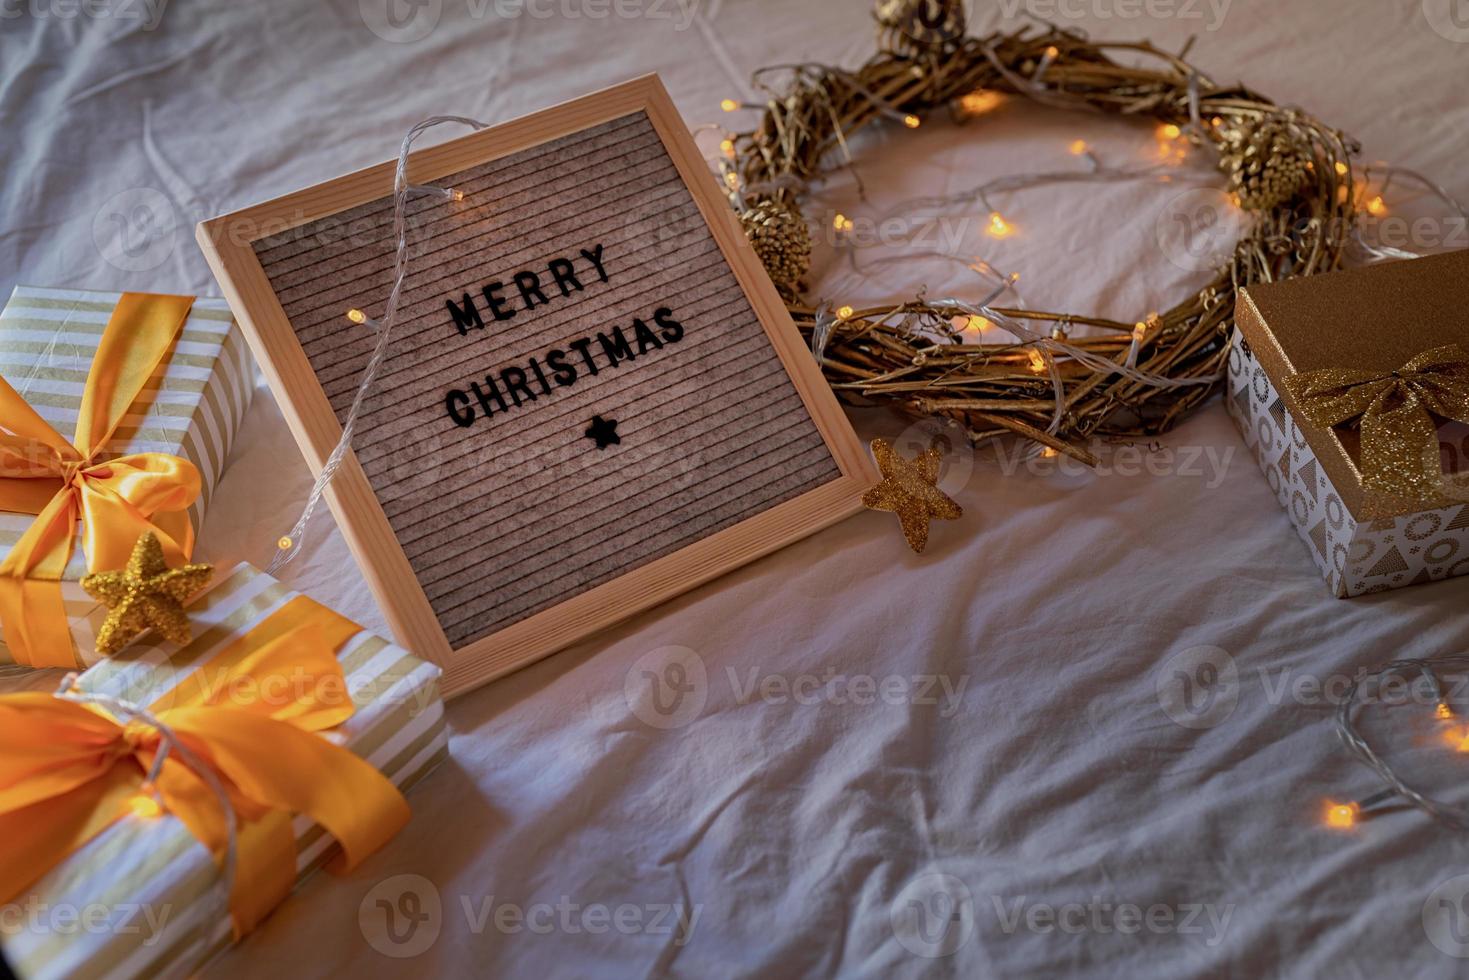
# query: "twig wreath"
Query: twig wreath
{"points": [[1290, 174]]}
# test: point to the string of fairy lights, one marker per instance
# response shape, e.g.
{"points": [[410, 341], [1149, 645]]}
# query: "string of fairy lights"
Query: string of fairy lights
{"points": [[974, 319], [288, 546], [1380, 178], [1344, 816]]}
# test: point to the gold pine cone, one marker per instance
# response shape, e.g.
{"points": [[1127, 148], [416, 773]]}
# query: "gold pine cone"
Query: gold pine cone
{"points": [[911, 28], [1266, 163], [782, 241]]}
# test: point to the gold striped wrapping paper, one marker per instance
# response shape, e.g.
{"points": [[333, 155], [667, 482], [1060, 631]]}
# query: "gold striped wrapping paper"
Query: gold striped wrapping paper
{"points": [[141, 868], [192, 407]]}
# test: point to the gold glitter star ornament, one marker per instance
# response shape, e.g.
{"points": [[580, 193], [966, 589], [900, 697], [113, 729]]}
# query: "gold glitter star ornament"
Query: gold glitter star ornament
{"points": [[909, 488], [145, 594]]}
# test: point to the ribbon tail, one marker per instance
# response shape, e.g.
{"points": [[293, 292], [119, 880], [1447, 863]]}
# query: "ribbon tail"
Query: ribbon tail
{"points": [[277, 765], [1400, 454], [298, 645], [266, 872], [18, 417], [265, 845], [40, 836], [138, 336], [31, 608], [34, 618], [61, 783]]}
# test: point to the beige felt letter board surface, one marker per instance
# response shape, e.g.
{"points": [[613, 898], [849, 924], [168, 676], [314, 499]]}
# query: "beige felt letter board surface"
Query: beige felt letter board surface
{"points": [[593, 399]]}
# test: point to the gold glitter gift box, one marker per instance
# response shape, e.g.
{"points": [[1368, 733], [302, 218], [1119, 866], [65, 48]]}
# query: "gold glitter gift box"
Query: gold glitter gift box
{"points": [[192, 407], [1374, 322]]}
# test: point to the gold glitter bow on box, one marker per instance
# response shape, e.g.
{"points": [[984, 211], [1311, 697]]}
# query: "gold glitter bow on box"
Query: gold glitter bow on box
{"points": [[1395, 412]]}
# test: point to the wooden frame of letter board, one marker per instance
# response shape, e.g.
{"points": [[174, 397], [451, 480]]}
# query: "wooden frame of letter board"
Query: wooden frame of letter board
{"points": [[227, 244]]}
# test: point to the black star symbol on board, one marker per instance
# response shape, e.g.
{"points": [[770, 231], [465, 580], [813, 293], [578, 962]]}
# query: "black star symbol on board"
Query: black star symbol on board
{"points": [[604, 431]]}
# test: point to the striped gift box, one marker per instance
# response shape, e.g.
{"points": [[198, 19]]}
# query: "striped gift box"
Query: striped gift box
{"points": [[192, 407], [137, 899]]}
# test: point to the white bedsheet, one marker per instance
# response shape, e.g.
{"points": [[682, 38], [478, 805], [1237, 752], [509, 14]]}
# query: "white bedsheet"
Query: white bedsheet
{"points": [[1039, 769]]}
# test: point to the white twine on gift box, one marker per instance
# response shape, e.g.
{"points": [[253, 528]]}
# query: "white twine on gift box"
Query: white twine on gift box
{"points": [[169, 744], [290, 545]]}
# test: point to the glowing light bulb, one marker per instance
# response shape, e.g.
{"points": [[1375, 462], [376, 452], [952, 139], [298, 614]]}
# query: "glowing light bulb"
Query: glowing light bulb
{"points": [[1342, 816], [975, 103], [728, 147], [1050, 453], [1217, 121], [144, 806], [978, 324], [1169, 131], [1377, 207], [1037, 361], [1342, 168], [1078, 147], [1443, 711], [912, 121], [732, 180], [999, 227], [284, 543], [1052, 52], [845, 312], [357, 316], [841, 223], [455, 194], [729, 105]]}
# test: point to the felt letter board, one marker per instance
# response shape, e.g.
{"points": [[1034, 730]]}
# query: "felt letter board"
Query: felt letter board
{"points": [[593, 398]]}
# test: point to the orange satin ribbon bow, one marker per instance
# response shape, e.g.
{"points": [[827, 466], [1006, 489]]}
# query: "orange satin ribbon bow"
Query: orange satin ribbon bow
{"points": [[62, 483], [70, 770]]}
